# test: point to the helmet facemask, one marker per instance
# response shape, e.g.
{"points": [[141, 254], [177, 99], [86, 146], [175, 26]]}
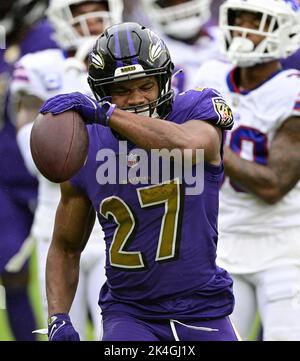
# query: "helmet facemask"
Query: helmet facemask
{"points": [[159, 107], [66, 25], [130, 51], [277, 26]]}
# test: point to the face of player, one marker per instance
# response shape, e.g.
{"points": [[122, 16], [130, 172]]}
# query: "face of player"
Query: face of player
{"points": [[95, 24], [250, 21], [133, 93]]}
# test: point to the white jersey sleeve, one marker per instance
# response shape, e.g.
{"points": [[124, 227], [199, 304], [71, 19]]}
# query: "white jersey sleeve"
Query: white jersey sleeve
{"points": [[39, 74], [23, 140]]}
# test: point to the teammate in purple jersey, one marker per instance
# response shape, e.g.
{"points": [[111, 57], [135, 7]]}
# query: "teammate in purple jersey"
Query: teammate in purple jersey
{"points": [[162, 280], [17, 188]]}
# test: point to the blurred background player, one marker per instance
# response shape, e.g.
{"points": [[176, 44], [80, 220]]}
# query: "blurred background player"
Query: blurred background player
{"points": [[260, 199], [182, 25], [133, 11], [214, 20], [36, 78], [25, 32]]}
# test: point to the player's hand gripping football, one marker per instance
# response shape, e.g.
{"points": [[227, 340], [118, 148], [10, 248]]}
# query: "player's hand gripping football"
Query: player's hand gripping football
{"points": [[88, 108], [60, 328]]}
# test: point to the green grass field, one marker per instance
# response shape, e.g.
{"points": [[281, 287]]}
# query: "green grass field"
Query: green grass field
{"points": [[5, 333]]}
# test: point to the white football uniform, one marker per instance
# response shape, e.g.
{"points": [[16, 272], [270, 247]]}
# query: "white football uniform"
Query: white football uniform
{"points": [[258, 241], [189, 57], [45, 74]]}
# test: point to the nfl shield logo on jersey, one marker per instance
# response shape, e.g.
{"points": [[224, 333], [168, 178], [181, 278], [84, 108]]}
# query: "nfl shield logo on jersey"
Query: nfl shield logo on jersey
{"points": [[224, 112], [132, 160]]}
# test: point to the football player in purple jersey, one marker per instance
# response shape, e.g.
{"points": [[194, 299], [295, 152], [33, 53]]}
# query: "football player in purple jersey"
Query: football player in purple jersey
{"points": [[24, 33], [162, 280]]}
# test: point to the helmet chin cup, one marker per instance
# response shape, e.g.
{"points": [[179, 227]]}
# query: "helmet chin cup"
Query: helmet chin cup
{"points": [[183, 29], [241, 45], [182, 20], [238, 50]]}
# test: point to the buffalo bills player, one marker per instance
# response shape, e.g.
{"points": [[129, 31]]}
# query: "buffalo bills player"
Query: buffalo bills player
{"points": [[260, 198], [191, 39], [162, 279]]}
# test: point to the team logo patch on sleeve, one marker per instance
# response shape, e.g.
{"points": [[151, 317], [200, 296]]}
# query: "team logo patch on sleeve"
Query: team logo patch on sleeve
{"points": [[224, 112]]}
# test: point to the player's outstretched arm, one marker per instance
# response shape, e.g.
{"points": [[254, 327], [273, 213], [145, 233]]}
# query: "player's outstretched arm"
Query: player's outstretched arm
{"points": [[150, 133], [280, 175], [75, 218], [146, 132], [27, 110]]}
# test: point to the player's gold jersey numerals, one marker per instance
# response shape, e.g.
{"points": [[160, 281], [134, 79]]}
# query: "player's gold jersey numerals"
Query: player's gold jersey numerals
{"points": [[168, 195]]}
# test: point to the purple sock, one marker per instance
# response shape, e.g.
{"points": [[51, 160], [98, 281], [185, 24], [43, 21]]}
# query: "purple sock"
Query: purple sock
{"points": [[20, 314]]}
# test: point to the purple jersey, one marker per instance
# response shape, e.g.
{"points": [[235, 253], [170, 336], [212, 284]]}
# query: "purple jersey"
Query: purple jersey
{"points": [[160, 242], [292, 62], [17, 188]]}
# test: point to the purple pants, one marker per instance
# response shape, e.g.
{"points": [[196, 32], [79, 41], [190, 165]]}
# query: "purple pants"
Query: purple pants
{"points": [[15, 224], [119, 327]]}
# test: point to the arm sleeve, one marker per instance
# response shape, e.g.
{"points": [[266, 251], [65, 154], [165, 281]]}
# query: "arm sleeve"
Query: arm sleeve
{"points": [[209, 105], [26, 80], [23, 140], [39, 74]]}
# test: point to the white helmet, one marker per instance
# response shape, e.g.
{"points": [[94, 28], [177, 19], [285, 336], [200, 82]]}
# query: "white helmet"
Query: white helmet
{"points": [[60, 15], [181, 21], [281, 39]]}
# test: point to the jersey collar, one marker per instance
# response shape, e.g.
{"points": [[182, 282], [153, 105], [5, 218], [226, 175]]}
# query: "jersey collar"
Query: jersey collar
{"points": [[234, 88]]}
